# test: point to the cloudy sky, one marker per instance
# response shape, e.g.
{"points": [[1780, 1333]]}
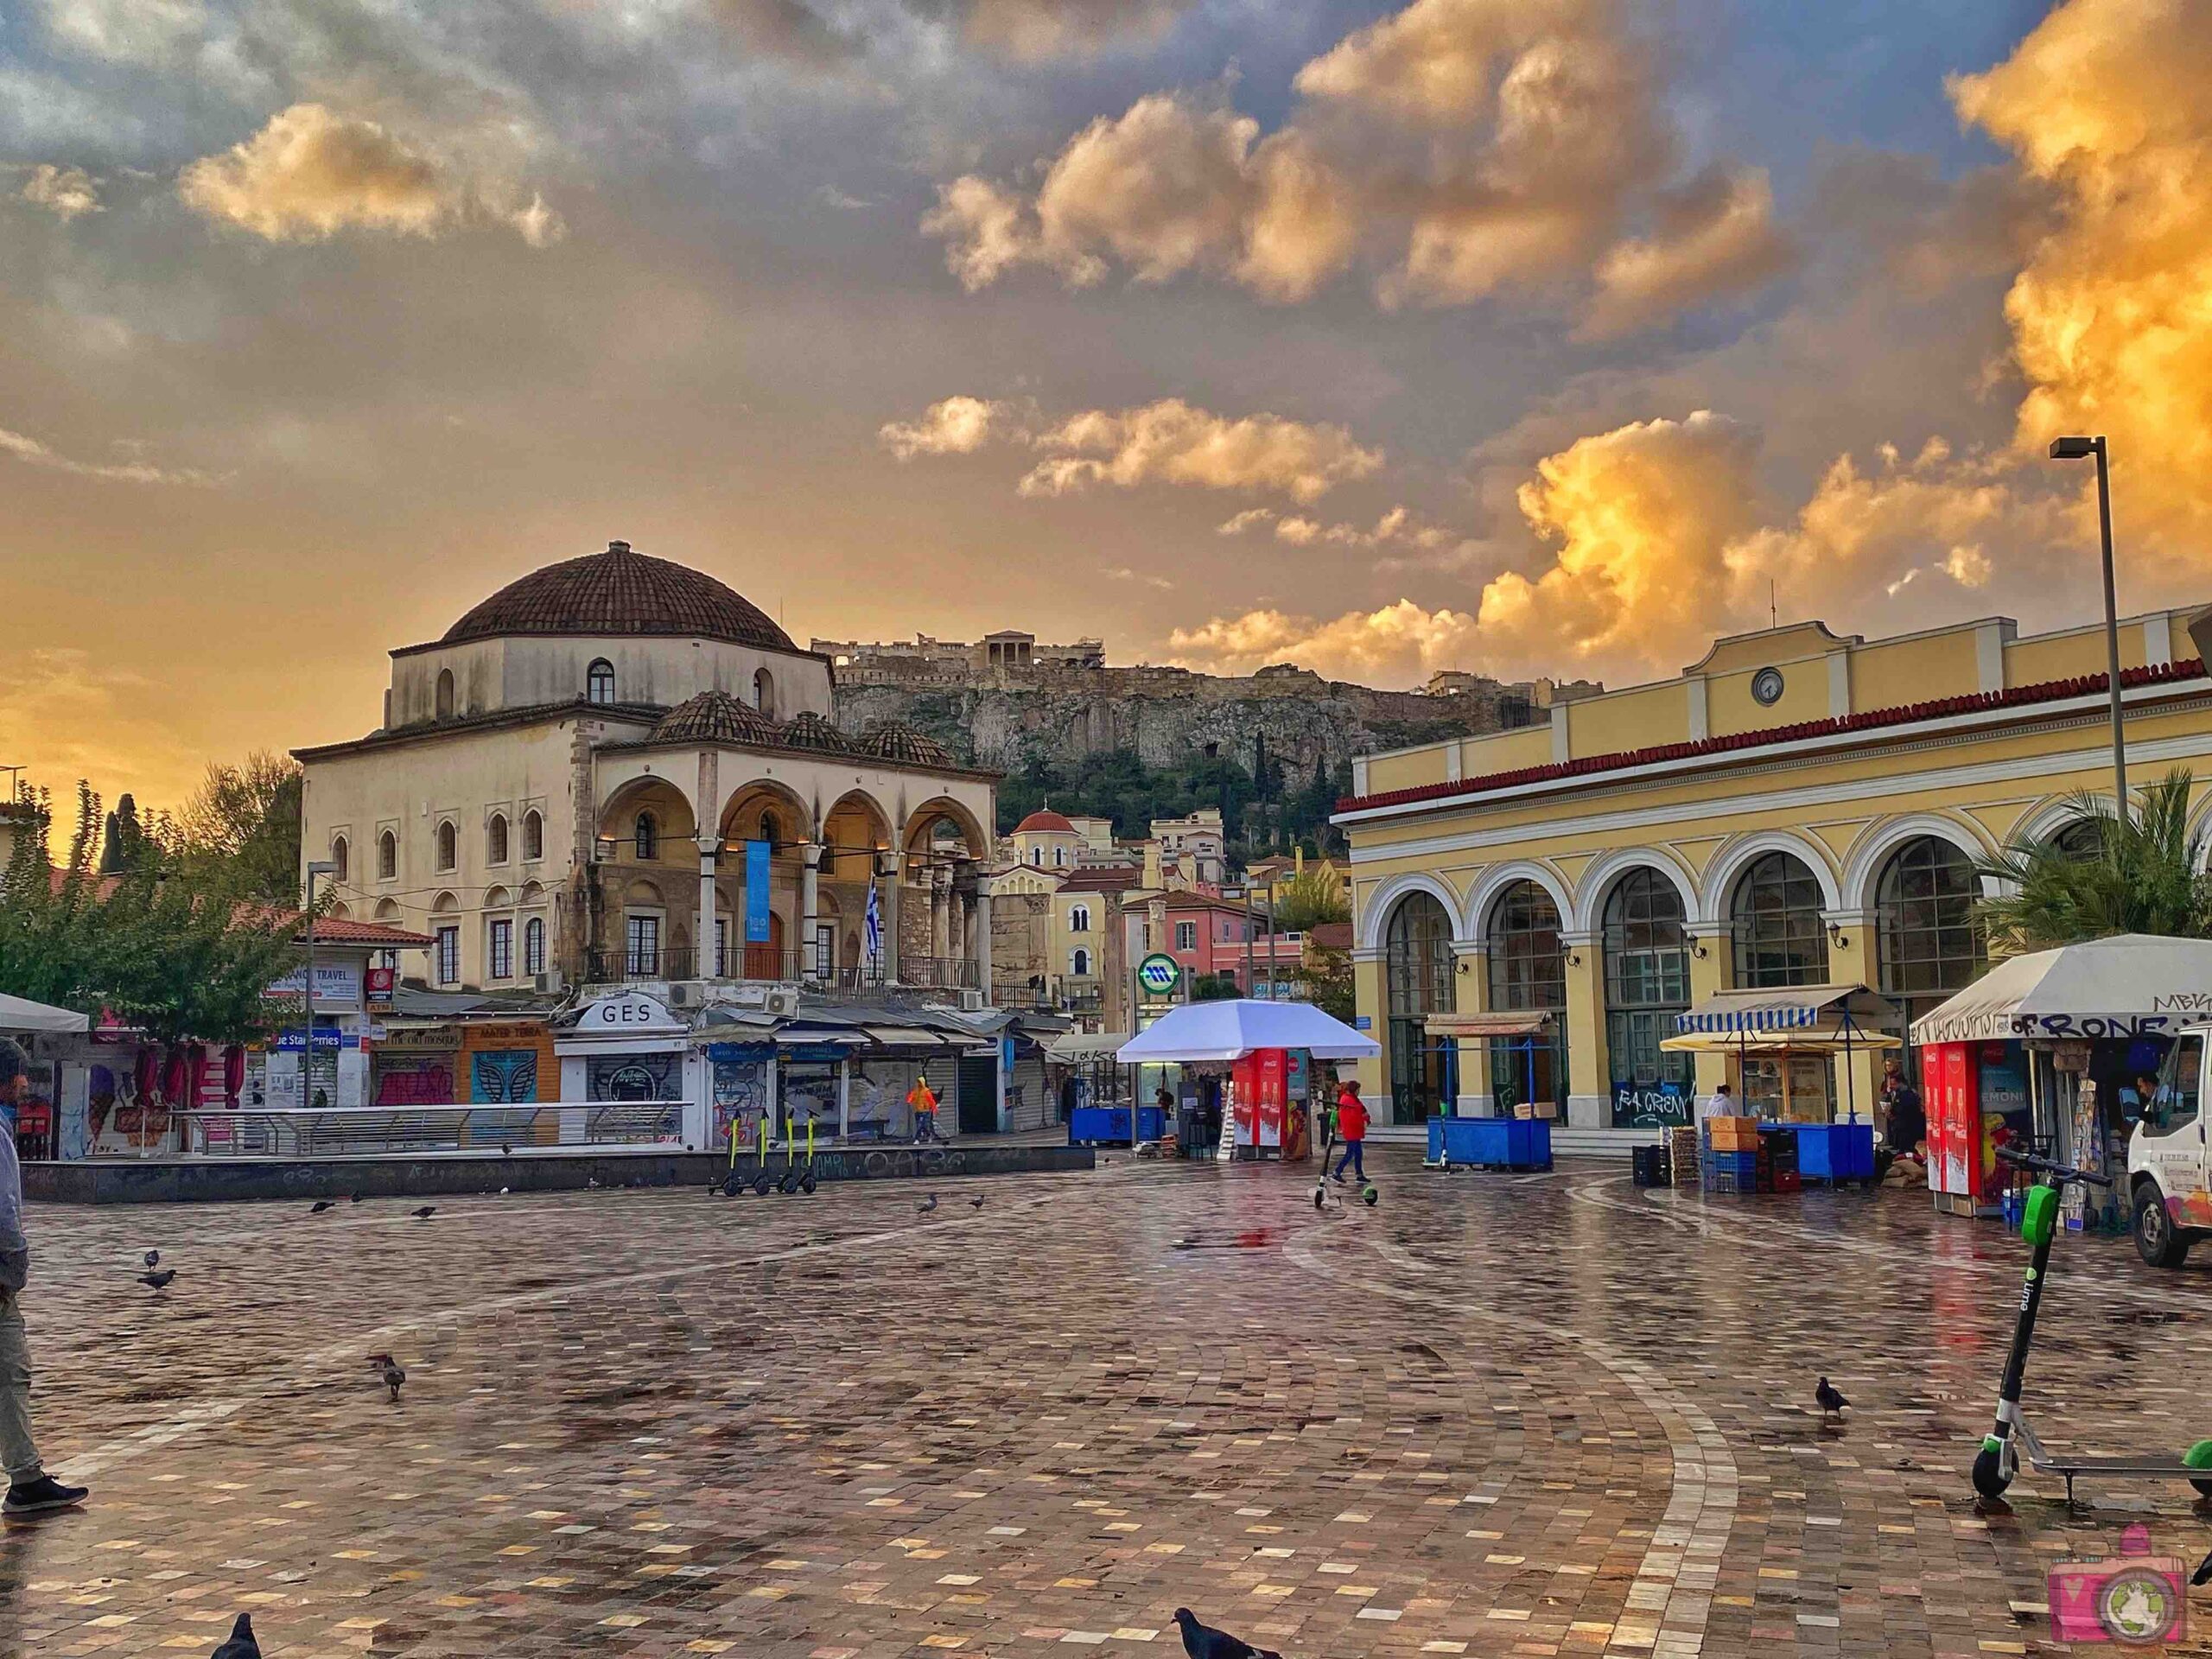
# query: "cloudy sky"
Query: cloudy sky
{"points": [[1518, 335]]}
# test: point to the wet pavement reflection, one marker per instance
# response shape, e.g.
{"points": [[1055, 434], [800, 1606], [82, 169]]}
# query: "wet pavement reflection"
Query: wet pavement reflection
{"points": [[1495, 1414]]}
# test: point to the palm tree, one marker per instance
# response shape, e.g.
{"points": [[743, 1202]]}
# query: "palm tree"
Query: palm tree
{"points": [[2143, 873]]}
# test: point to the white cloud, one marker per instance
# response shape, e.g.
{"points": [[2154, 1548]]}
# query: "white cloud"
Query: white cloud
{"points": [[1715, 236], [32, 453], [952, 426], [1398, 644], [67, 191], [1170, 442]]}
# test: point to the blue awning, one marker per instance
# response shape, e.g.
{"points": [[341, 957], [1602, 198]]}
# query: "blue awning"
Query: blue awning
{"points": [[1788, 1008]]}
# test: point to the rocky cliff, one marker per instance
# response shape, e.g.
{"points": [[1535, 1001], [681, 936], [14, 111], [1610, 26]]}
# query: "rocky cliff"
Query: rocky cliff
{"points": [[1167, 716]]}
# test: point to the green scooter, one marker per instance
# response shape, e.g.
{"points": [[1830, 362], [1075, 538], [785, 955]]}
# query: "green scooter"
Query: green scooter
{"points": [[1999, 1460]]}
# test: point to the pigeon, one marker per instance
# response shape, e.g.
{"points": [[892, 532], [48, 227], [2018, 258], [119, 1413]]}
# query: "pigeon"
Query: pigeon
{"points": [[1203, 1642], [2203, 1573], [505, 1191], [425, 1212], [388, 1368], [926, 1205], [157, 1281], [354, 1198], [241, 1644], [153, 1260], [1830, 1402], [318, 1206], [975, 1203], [506, 1150]]}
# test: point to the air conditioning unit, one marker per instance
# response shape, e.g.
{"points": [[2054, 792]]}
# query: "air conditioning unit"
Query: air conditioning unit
{"points": [[549, 984], [782, 1001], [971, 1002], [687, 993]]}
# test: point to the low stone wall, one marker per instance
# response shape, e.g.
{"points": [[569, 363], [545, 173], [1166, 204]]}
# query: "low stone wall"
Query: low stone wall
{"points": [[229, 1180]]}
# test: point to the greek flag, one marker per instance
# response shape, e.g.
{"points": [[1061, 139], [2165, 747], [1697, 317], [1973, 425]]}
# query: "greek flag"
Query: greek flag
{"points": [[874, 924]]}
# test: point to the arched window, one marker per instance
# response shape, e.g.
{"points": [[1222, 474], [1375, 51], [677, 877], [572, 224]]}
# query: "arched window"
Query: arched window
{"points": [[533, 945], [1037, 856], [387, 857], [1924, 914], [1647, 984], [1417, 983], [445, 694], [599, 682], [1079, 919], [764, 692], [495, 839], [1079, 962], [448, 845], [772, 829], [647, 835], [1528, 974], [533, 834], [340, 856], [1059, 858], [1775, 914], [2083, 840]]}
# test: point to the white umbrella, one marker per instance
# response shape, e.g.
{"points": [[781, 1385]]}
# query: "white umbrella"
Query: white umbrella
{"points": [[1229, 1031], [21, 1013], [2132, 984]]}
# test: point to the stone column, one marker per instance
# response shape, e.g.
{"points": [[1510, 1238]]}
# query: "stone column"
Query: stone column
{"points": [[709, 855], [887, 886], [809, 903], [1369, 999], [1589, 1077], [940, 914], [1470, 994], [983, 945]]}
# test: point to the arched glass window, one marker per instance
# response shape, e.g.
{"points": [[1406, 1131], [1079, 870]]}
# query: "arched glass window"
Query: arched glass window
{"points": [[448, 845], [1926, 939], [1647, 984], [2083, 839], [646, 835], [533, 945], [495, 839], [1528, 973], [1775, 914], [445, 694], [1417, 983], [599, 682], [1079, 962], [387, 857], [764, 692], [341, 854], [1079, 919], [533, 834]]}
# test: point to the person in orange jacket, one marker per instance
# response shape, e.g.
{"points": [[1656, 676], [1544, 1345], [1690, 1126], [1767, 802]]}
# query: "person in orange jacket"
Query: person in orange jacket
{"points": [[1351, 1123], [922, 1099]]}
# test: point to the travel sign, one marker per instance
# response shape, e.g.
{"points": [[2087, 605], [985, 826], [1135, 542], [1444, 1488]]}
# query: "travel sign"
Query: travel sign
{"points": [[1160, 974]]}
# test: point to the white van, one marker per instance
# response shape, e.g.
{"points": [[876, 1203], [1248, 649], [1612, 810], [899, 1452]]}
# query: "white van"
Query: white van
{"points": [[2169, 1161]]}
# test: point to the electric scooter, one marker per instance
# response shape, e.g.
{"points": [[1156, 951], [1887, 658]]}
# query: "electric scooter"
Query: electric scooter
{"points": [[1999, 1460]]}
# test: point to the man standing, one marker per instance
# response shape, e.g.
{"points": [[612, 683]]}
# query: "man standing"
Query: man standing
{"points": [[1351, 1123], [31, 1491], [1906, 1128], [924, 1101]]}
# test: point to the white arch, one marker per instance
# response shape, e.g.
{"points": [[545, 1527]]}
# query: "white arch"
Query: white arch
{"points": [[1874, 848], [1497, 879], [2047, 817], [1728, 864], [1374, 914], [1598, 881]]}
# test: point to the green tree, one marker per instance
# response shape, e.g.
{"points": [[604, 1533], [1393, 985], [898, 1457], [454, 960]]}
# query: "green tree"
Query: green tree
{"points": [[126, 845], [2143, 877], [240, 831], [1326, 977], [1312, 896], [1214, 988]]}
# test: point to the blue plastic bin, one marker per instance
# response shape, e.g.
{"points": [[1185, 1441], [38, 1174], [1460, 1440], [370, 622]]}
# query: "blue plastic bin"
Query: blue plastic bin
{"points": [[1493, 1142], [1109, 1125], [1835, 1151]]}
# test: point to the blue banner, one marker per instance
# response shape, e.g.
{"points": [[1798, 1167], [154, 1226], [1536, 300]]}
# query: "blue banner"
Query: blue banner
{"points": [[756, 893]]}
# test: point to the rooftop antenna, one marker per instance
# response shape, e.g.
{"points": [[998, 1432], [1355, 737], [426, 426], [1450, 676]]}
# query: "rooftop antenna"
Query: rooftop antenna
{"points": [[1773, 610]]}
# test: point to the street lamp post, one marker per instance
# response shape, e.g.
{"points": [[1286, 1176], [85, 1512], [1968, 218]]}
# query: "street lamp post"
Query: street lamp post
{"points": [[2083, 449], [318, 866]]}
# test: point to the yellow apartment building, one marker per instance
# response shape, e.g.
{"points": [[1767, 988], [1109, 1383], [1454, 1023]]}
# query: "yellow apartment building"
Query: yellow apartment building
{"points": [[1795, 807]]}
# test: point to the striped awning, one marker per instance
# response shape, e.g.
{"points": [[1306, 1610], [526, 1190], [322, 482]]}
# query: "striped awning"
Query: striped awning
{"points": [[1522, 1023], [1788, 1008]]}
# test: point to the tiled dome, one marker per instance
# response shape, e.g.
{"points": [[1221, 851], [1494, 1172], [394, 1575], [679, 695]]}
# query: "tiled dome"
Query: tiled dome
{"points": [[895, 740], [1043, 821], [620, 592], [811, 731], [715, 717]]}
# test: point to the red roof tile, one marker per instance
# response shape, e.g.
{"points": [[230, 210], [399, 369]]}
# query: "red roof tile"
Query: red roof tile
{"points": [[1869, 720]]}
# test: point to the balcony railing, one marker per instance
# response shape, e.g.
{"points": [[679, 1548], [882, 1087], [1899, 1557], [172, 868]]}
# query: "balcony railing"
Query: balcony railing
{"points": [[758, 964]]}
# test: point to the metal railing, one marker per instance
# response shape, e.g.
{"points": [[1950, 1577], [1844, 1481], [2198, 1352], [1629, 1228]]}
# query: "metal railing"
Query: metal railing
{"points": [[761, 964], [354, 1132]]}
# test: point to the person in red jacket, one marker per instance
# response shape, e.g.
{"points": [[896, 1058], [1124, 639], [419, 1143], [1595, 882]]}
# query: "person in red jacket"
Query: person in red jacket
{"points": [[1351, 1123]]}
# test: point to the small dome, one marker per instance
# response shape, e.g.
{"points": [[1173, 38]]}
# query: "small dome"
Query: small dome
{"points": [[811, 731], [617, 593], [715, 717], [1043, 821], [895, 740]]}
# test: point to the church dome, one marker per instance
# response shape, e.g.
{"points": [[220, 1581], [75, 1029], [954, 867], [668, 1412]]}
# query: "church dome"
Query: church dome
{"points": [[620, 592], [895, 740], [811, 731], [1043, 821], [715, 717]]}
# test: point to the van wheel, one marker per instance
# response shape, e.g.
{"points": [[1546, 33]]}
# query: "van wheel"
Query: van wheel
{"points": [[2157, 1241]]}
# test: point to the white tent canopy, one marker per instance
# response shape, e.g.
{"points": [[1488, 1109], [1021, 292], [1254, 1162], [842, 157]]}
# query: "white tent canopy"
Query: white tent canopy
{"points": [[1229, 1031], [20, 1013], [2130, 985]]}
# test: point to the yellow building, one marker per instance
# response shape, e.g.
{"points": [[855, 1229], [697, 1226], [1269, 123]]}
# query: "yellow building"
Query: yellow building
{"points": [[1795, 807]]}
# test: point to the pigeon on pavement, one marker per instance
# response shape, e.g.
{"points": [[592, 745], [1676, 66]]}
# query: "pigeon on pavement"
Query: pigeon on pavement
{"points": [[1203, 1642], [318, 1206], [975, 1203], [241, 1644], [1830, 1402], [355, 1199], [926, 1205], [425, 1212], [153, 1260], [388, 1368], [158, 1281]]}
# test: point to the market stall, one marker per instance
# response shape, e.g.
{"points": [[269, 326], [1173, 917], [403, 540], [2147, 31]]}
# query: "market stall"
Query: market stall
{"points": [[2046, 1052], [1266, 1049]]}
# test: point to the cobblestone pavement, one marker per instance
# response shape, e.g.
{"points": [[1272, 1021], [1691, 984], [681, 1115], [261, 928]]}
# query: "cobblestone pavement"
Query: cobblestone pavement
{"points": [[1494, 1415]]}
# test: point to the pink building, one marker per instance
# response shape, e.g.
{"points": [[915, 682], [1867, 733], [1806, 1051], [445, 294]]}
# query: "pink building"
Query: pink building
{"points": [[1208, 935]]}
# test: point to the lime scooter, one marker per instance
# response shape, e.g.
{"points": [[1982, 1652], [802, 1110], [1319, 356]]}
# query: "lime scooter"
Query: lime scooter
{"points": [[1999, 1460]]}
